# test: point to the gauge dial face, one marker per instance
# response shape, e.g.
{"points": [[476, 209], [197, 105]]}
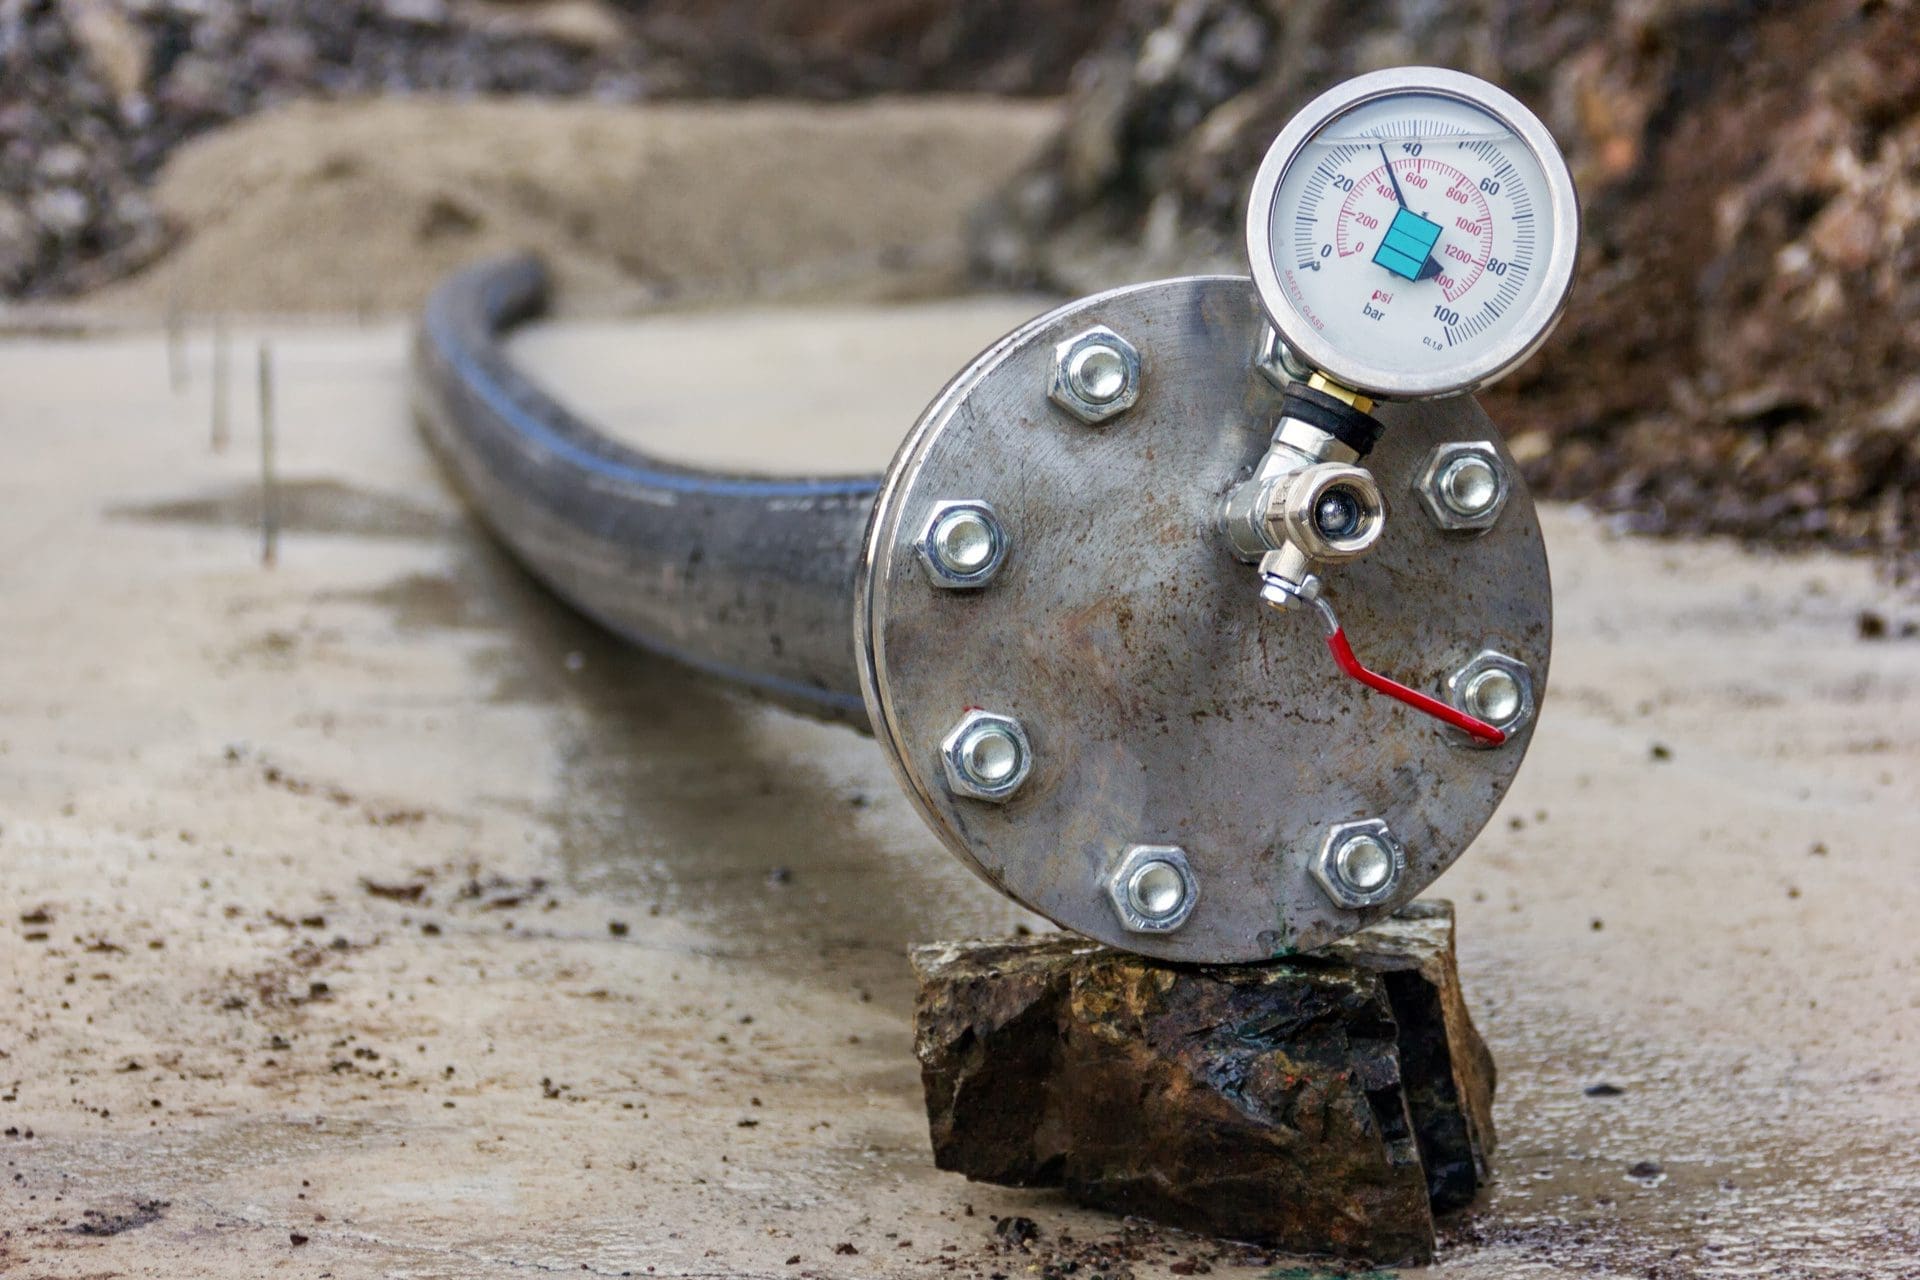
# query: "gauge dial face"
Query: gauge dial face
{"points": [[1417, 242]]}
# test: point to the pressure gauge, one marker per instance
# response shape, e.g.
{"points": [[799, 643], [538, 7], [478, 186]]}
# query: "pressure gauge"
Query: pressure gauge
{"points": [[1413, 233]]}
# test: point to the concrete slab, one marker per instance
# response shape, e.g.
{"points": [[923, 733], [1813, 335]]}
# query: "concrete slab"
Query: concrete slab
{"points": [[371, 915]]}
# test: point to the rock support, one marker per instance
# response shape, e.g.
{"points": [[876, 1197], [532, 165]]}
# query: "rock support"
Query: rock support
{"points": [[1330, 1103]]}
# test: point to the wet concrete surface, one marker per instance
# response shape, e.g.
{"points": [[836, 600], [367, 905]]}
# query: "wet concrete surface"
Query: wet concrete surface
{"points": [[373, 915]]}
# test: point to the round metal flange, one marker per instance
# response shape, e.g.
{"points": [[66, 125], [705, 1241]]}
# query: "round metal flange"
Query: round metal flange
{"points": [[1161, 703]]}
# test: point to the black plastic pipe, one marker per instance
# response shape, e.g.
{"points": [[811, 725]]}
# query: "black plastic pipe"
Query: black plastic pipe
{"points": [[747, 577]]}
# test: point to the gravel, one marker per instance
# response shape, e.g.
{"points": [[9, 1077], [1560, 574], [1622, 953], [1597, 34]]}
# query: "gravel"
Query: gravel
{"points": [[72, 209], [96, 94]]}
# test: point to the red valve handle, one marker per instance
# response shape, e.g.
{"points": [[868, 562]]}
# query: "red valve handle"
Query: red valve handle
{"points": [[1343, 654]]}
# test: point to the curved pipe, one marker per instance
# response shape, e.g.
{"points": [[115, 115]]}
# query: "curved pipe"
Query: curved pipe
{"points": [[748, 578]]}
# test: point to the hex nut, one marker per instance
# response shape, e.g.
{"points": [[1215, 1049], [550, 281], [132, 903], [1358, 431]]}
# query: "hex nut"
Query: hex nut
{"points": [[1153, 888], [986, 756], [963, 544], [1469, 689], [1450, 465], [1349, 866], [1277, 361], [1095, 376]]}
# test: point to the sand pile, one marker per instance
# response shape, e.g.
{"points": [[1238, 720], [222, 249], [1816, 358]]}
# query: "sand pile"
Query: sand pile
{"points": [[363, 206], [96, 95]]}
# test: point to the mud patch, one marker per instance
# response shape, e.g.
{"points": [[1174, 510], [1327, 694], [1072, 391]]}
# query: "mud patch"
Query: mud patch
{"points": [[305, 507], [112, 1222], [428, 602], [486, 590], [1620, 1246]]}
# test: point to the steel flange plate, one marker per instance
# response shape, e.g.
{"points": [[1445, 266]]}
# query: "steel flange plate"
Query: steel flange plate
{"points": [[1162, 703]]}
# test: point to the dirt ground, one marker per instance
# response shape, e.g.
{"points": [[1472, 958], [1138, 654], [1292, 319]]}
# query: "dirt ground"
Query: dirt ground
{"points": [[357, 207], [370, 915]]}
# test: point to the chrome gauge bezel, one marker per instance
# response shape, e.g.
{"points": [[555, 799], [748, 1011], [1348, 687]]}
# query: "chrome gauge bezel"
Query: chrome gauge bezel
{"points": [[1530, 329]]}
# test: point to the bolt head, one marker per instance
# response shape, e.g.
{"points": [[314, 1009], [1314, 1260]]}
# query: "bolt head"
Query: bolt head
{"points": [[1364, 863], [1464, 485], [1494, 687], [986, 756], [1096, 375], [1493, 696], [1153, 888], [1360, 864], [962, 544], [1469, 485], [1278, 593]]}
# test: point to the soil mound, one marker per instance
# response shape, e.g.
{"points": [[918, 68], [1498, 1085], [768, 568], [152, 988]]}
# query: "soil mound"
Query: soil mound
{"points": [[363, 206]]}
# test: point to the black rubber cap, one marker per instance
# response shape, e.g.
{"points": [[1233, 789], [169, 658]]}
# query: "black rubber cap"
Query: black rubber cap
{"points": [[1352, 428]]}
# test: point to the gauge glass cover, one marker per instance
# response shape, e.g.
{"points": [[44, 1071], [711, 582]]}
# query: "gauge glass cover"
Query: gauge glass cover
{"points": [[1413, 233]]}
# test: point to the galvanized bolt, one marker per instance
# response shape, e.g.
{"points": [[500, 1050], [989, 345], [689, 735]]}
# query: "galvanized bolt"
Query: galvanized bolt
{"points": [[1464, 485], [1153, 889], [1277, 362], [1360, 864], [987, 756], [1493, 696], [1469, 485], [1096, 375], [963, 544], [1493, 687]]}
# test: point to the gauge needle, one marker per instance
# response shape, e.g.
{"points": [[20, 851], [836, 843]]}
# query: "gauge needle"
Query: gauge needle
{"points": [[1398, 194], [1407, 250]]}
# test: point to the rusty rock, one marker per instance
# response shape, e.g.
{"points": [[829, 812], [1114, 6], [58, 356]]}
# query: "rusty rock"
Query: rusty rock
{"points": [[1325, 1103]]}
